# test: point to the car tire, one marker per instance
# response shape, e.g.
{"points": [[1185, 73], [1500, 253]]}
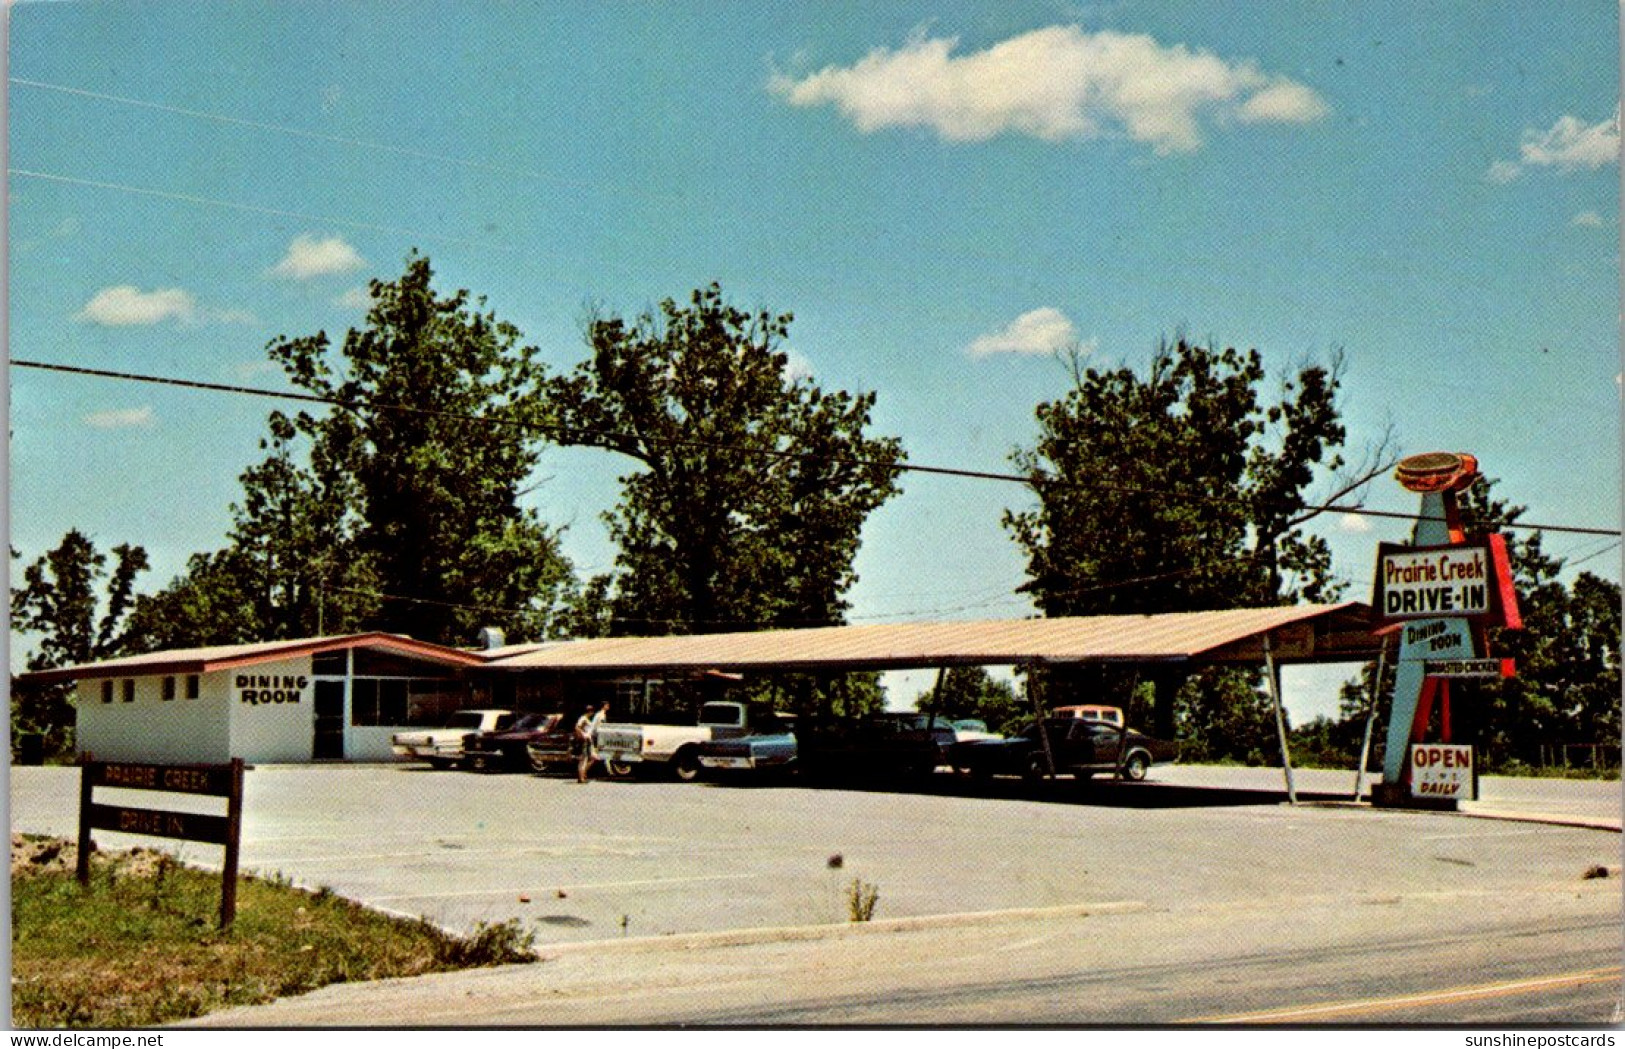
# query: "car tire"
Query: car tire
{"points": [[618, 769], [686, 766], [1136, 765], [1036, 769], [440, 764]]}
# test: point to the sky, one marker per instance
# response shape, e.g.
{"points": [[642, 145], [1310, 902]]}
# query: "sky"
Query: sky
{"points": [[945, 195]]}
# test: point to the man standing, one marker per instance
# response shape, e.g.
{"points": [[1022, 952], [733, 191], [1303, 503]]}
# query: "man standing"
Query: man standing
{"points": [[585, 731]]}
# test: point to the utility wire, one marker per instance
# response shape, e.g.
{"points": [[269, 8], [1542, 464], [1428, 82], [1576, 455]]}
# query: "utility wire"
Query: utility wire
{"points": [[611, 439], [317, 136], [256, 209]]}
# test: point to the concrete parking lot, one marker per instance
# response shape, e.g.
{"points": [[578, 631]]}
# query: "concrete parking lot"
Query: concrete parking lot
{"points": [[635, 859]]}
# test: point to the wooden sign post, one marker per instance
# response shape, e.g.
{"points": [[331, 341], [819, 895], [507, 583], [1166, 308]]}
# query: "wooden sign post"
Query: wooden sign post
{"points": [[221, 781]]}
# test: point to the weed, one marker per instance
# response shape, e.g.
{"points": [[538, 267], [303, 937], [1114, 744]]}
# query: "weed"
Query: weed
{"points": [[492, 943], [861, 898]]}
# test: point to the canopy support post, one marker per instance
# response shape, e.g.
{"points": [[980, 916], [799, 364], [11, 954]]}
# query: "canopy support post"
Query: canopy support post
{"points": [[1272, 672], [1034, 692], [936, 698], [1370, 720]]}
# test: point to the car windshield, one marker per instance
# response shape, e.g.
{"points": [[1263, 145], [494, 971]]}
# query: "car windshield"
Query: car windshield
{"points": [[969, 725], [464, 719]]}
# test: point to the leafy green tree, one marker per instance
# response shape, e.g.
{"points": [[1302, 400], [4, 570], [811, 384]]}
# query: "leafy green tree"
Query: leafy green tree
{"points": [[1223, 715], [413, 486], [971, 692], [212, 602], [59, 601], [1180, 489], [1567, 685], [753, 485]]}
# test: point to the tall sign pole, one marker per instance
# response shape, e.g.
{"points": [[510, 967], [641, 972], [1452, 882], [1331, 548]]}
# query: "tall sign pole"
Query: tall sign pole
{"points": [[1438, 593]]}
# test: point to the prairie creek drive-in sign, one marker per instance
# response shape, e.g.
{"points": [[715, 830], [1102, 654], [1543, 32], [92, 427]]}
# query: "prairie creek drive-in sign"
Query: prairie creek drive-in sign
{"points": [[1433, 581]]}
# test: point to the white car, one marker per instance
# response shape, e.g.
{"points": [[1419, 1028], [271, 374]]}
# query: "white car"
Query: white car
{"points": [[443, 747]]}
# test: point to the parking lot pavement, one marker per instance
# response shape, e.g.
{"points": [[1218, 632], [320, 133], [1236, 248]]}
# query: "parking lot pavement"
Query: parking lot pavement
{"points": [[631, 859]]}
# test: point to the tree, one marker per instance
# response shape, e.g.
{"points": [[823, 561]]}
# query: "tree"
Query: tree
{"points": [[1567, 685], [1180, 490], [59, 601], [211, 603], [407, 517], [971, 692], [754, 482]]}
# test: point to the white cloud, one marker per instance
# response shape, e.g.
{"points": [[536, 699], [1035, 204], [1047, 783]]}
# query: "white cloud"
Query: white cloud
{"points": [[1353, 523], [1045, 330], [1568, 145], [1056, 83], [309, 257], [797, 366], [1587, 218], [125, 305], [121, 418]]}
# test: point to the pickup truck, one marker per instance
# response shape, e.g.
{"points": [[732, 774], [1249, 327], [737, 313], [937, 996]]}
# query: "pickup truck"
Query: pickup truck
{"points": [[1080, 746], [625, 747], [443, 747]]}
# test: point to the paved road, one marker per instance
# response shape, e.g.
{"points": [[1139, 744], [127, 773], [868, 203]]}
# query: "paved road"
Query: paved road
{"points": [[1217, 879], [1477, 959]]}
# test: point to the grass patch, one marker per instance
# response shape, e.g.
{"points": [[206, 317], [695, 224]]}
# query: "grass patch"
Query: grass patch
{"points": [[139, 946]]}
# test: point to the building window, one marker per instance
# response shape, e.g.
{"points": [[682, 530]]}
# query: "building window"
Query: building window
{"points": [[191, 686], [129, 690], [330, 664], [107, 691], [169, 688], [379, 701]]}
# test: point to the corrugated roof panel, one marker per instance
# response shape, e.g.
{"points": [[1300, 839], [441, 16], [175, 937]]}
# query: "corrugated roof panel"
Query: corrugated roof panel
{"points": [[1170, 636]]}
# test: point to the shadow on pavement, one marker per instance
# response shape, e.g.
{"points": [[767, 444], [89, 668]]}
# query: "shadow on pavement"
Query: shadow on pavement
{"points": [[1062, 791]]}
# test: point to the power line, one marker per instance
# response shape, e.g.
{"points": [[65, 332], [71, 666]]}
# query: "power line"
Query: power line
{"points": [[317, 136], [612, 440], [187, 198]]}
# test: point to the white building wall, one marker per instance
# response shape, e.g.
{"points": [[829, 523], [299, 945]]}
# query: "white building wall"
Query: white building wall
{"points": [[371, 742], [271, 709], [151, 728]]}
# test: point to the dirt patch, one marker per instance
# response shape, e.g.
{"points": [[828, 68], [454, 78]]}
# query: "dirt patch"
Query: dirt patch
{"points": [[32, 854]]}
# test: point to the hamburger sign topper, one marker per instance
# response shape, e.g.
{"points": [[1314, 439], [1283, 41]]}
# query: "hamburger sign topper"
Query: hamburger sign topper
{"points": [[1460, 580]]}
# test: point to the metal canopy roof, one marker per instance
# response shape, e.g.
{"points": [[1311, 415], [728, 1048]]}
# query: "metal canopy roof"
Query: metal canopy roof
{"points": [[1299, 634], [225, 657]]}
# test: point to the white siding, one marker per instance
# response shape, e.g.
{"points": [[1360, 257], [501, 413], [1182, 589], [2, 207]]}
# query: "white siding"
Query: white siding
{"points": [[269, 731], [151, 728]]}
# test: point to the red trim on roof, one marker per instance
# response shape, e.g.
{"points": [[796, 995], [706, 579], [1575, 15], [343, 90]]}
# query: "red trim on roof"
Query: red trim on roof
{"points": [[197, 661]]}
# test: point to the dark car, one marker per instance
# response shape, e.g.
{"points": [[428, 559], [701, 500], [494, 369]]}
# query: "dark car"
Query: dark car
{"points": [[877, 746], [506, 749], [771, 749], [1083, 748]]}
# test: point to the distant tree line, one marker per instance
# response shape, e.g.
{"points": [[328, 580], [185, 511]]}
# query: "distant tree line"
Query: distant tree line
{"points": [[398, 506]]}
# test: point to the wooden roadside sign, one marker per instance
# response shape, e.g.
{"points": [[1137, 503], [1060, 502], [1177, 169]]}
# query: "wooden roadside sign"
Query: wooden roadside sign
{"points": [[224, 781]]}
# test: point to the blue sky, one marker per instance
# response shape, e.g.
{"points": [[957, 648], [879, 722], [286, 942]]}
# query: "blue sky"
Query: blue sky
{"points": [[943, 194]]}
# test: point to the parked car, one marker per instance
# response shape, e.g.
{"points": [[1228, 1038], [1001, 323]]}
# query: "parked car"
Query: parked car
{"points": [[967, 729], [1092, 712], [647, 747], [506, 748], [555, 749], [879, 745], [443, 747], [772, 748], [1082, 747]]}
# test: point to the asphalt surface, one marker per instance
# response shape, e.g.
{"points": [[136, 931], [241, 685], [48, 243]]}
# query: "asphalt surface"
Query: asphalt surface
{"points": [[1120, 888]]}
